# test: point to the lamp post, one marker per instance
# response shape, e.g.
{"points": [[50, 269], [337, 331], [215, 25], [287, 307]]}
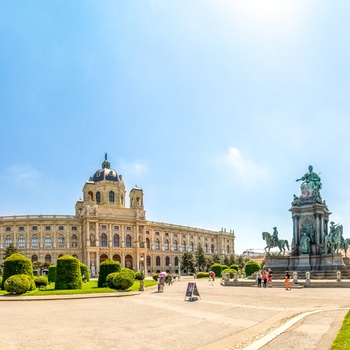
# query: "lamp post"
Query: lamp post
{"points": [[142, 281]]}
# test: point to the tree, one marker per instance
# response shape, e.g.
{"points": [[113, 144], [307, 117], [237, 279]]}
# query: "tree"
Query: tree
{"points": [[201, 260], [216, 259], [11, 249], [188, 262], [227, 260]]}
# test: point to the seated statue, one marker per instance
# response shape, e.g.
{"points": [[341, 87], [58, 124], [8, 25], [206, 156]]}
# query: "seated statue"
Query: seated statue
{"points": [[311, 184]]}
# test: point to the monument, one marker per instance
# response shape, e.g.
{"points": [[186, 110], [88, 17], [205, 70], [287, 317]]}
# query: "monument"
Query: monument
{"points": [[316, 243]]}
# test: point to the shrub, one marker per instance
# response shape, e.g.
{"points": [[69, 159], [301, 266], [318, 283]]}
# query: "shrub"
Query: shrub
{"points": [[230, 271], [51, 276], [0, 281], [68, 275], [41, 281], [84, 270], [200, 275], [129, 271], [139, 276], [123, 281], [216, 268], [106, 268], [223, 267], [17, 264], [155, 276], [234, 267], [251, 266], [18, 284], [109, 279]]}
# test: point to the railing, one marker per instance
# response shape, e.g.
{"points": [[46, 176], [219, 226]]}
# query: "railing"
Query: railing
{"points": [[21, 217]]}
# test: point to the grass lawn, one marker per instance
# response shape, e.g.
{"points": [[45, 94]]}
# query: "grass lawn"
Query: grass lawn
{"points": [[88, 287], [342, 340]]}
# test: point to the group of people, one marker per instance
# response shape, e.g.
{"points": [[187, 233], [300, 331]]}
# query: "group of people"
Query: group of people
{"points": [[265, 279]]}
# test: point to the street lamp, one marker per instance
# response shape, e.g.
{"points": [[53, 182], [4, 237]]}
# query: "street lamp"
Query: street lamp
{"points": [[142, 281]]}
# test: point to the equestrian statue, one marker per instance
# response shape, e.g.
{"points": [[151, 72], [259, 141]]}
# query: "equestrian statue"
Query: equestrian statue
{"points": [[273, 241]]}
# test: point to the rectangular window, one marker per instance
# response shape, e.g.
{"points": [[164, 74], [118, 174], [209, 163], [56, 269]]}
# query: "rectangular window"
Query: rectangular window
{"points": [[103, 227], [74, 228], [21, 228], [175, 234], [147, 232], [128, 228], [8, 229], [116, 227], [166, 234], [156, 233], [34, 228], [60, 228], [47, 228]]}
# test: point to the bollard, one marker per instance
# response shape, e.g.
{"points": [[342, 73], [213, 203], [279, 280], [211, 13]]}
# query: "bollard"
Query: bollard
{"points": [[338, 276], [307, 277], [295, 277], [235, 277]]}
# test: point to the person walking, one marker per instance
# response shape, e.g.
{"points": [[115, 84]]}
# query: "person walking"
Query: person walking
{"points": [[287, 280], [269, 277], [264, 276], [259, 277]]}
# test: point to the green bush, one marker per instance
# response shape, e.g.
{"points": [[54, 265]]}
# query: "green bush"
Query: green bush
{"points": [[139, 276], [106, 268], [0, 281], [51, 276], [234, 267], [216, 268], [84, 270], [155, 276], [223, 267], [18, 284], [251, 266], [17, 264], [230, 271], [200, 274], [123, 281], [109, 279], [41, 281], [129, 271], [68, 275]]}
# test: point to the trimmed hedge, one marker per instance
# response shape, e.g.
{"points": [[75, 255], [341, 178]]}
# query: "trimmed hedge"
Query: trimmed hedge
{"points": [[155, 276], [123, 281], [17, 264], [68, 275], [234, 267], [251, 266], [51, 276], [230, 271], [202, 275], [216, 268], [139, 276], [106, 268], [109, 279], [18, 284], [41, 281]]}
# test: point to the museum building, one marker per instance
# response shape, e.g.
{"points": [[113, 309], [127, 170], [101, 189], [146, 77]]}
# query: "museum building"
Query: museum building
{"points": [[104, 228]]}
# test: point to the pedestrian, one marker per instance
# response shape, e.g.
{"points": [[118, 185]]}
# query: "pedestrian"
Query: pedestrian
{"points": [[259, 277], [161, 282], [213, 275], [265, 279], [287, 280], [209, 276], [269, 277]]}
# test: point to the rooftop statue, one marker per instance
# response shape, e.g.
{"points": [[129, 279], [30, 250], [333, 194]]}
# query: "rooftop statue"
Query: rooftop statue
{"points": [[311, 185]]}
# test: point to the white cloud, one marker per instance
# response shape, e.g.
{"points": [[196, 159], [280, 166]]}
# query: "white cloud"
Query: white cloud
{"points": [[245, 171], [23, 174]]}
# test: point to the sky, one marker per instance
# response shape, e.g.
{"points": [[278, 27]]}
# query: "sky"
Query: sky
{"points": [[213, 108]]}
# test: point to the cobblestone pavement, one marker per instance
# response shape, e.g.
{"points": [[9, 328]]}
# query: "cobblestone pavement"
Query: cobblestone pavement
{"points": [[222, 318]]}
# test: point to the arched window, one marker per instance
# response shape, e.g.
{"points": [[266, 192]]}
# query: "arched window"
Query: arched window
{"points": [[128, 261], [156, 244], [21, 241], [111, 197], [8, 241], [48, 258], [228, 249], [148, 243], [206, 248], [98, 197], [175, 246], [48, 242], [34, 258], [60, 241], [166, 245], [176, 261], [116, 240], [103, 240], [103, 258], [35, 241], [74, 241], [90, 196], [148, 259], [183, 246], [158, 261], [212, 248], [116, 257], [167, 261], [191, 247], [128, 241]]}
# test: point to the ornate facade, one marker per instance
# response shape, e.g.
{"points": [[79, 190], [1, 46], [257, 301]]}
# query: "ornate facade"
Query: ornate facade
{"points": [[103, 227]]}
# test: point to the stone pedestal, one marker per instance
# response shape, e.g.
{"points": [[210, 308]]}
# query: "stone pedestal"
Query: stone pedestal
{"points": [[304, 262]]}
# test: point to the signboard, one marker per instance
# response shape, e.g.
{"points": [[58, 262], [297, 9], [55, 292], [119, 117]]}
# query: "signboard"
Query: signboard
{"points": [[192, 291]]}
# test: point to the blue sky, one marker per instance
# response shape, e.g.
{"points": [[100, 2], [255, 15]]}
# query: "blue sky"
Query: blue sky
{"points": [[213, 108]]}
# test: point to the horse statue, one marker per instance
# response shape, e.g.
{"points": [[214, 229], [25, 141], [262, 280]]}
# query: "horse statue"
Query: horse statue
{"points": [[271, 243], [335, 240]]}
